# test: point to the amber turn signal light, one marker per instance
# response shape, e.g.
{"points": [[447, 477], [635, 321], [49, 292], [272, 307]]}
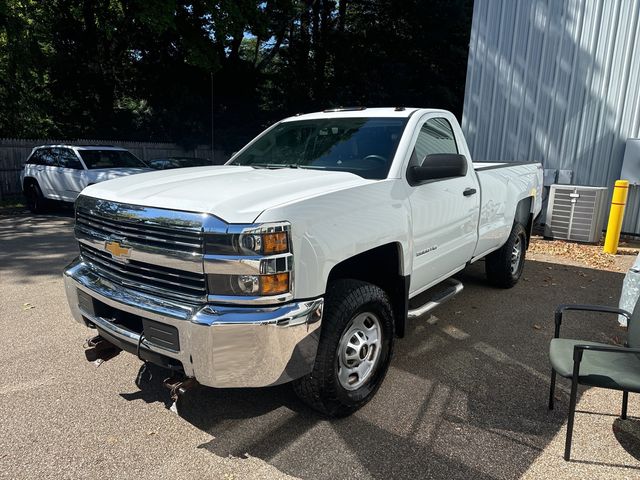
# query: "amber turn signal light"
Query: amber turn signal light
{"points": [[274, 284], [275, 242]]}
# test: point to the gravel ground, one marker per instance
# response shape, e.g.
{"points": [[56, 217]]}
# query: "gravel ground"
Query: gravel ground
{"points": [[465, 396]]}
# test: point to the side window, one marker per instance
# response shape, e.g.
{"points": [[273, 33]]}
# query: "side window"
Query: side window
{"points": [[47, 158], [436, 136], [36, 158], [68, 159]]}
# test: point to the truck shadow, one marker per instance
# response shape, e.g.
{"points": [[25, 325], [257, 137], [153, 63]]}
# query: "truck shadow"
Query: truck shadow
{"points": [[465, 396]]}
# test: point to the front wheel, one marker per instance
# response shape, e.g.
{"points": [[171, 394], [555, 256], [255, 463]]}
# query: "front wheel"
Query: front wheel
{"points": [[35, 199], [355, 349], [504, 266]]}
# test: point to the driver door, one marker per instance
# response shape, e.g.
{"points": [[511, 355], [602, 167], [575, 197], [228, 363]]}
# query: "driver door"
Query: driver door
{"points": [[444, 211]]}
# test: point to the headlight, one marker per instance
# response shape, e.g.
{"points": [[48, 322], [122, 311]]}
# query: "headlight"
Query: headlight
{"points": [[260, 240], [249, 261], [249, 285]]}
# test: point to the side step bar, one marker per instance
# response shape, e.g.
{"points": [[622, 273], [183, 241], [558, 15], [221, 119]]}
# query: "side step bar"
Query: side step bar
{"points": [[440, 298]]}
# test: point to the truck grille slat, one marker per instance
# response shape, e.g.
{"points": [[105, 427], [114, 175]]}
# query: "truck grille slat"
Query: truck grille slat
{"points": [[174, 229], [145, 285], [142, 234], [162, 274]]}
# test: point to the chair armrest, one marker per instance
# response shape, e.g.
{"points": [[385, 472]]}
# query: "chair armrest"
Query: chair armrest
{"points": [[606, 348], [585, 308]]}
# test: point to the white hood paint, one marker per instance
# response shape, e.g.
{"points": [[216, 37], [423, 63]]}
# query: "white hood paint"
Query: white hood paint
{"points": [[234, 194]]}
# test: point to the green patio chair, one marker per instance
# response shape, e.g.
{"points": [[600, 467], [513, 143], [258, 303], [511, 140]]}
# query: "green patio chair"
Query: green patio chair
{"points": [[595, 364]]}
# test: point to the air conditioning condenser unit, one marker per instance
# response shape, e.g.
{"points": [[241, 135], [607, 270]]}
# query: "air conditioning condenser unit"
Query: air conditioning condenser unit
{"points": [[576, 213]]}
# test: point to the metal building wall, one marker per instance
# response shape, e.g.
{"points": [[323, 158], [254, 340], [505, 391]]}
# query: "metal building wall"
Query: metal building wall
{"points": [[556, 81]]}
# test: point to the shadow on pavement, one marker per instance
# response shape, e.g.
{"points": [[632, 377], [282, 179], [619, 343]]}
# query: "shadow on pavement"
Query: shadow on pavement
{"points": [[36, 245], [627, 432], [465, 396]]}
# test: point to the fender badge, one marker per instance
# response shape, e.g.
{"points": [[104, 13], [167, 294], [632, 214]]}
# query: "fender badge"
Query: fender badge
{"points": [[426, 250], [117, 251]]}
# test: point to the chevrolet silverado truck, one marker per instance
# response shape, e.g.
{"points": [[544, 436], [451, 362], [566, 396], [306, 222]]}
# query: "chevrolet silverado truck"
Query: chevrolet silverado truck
{"points": [[303, 258]]}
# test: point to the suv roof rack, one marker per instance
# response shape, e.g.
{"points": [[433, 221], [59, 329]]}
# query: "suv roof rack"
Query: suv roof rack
{"points": [[344, 109]]}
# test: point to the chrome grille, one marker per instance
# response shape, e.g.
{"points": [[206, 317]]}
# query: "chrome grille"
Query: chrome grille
{"points": [[162, 249], [141, 233], [146, 277]]}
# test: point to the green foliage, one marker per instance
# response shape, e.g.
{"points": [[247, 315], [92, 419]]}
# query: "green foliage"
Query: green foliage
{"points": [[135, 69]]}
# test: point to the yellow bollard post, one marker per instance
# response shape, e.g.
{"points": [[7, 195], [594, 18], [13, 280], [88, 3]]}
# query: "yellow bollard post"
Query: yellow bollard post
{"points": [[618, 202]]}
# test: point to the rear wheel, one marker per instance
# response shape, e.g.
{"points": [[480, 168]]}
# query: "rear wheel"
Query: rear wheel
{"points": [[504, 266], [354, 352], [35, 200]]}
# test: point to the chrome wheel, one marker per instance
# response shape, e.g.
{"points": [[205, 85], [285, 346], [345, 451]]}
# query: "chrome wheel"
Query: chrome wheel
{"points": [[359, 350], [516, 255]]}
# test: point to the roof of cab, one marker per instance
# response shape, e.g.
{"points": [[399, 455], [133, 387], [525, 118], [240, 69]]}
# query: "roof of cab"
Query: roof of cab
{"points": [[360, 112]]}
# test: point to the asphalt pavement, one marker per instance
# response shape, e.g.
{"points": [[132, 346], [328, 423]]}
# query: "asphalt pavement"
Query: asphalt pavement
{"points": [[465, 396]]}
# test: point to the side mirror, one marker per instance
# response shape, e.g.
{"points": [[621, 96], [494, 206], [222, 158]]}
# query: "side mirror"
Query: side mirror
{"points": [[438, 165]]}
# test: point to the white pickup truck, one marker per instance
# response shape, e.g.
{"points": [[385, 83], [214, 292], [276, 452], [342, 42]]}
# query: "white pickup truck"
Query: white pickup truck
{"points": [[298, 259]]}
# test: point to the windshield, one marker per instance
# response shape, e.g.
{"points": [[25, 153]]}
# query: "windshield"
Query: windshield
{"points": [[95, 159], [364, 146]]}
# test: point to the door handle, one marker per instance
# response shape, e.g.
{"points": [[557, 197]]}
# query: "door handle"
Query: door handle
{"points": [[469, 191]]}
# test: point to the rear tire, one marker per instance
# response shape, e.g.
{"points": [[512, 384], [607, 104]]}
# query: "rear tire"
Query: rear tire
{"points": [[36, 202], [356, 344], [504, 266]]}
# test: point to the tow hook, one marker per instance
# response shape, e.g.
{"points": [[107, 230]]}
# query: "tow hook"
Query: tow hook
{"points": [[179, 385], [99, 350]]}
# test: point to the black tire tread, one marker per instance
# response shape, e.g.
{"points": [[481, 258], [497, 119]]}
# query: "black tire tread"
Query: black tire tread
{"points": [[498, 263], [38, 207], [343, 297]]}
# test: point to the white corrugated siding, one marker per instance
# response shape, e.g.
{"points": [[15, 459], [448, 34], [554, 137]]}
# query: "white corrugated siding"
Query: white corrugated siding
{"points": [[558, 82]]}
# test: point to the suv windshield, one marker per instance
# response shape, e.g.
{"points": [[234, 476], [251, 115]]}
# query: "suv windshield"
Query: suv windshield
{"points": [[95, 159], [364, 146]]}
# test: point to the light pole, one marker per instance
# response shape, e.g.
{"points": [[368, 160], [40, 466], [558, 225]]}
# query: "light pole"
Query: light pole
{"points": [[212, 154]]}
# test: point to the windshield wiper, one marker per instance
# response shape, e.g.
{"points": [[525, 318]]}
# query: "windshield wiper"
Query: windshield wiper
{"points": [[273, 165]]}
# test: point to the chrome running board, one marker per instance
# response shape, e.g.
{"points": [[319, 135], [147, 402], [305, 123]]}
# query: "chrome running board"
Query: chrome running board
{"points": [[438, 299]]}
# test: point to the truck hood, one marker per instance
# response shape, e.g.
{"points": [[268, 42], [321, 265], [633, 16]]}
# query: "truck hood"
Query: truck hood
{"points": [[233, 193]]}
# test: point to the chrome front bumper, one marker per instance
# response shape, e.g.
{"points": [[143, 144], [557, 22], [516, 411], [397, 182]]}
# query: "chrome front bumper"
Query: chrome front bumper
{"points": [[220, 345]]}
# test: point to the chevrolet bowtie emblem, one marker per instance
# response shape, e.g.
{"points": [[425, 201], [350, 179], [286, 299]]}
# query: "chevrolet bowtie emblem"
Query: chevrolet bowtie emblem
{"points": [[117, 251]]}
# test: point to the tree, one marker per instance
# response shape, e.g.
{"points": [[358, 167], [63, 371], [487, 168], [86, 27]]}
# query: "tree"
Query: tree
{"points": [[134, 69]]}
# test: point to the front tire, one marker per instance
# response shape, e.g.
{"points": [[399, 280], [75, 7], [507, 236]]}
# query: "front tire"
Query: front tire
{"points": [[35, 199], [504, 266], [356, 344]]}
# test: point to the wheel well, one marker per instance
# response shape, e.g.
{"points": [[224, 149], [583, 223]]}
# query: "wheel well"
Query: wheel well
{"points": [[524, 216], [28, 181], [379, 266]]}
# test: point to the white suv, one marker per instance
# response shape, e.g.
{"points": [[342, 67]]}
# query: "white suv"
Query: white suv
{"points": [[61, 172]]}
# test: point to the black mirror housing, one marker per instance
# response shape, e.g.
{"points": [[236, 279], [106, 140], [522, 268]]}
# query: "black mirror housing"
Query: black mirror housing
{"points": [[437, 166]]}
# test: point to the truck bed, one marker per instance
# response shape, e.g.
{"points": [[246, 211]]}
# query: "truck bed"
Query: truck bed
{"points": [[478, 166], [502, 186]]}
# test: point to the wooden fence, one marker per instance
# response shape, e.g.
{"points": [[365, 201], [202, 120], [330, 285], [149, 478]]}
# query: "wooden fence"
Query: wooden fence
{"points": [[14, 152]]}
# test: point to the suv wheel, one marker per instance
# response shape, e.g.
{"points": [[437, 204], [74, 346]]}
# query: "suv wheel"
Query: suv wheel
{"points": [[355, 349], [35, 199]]}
